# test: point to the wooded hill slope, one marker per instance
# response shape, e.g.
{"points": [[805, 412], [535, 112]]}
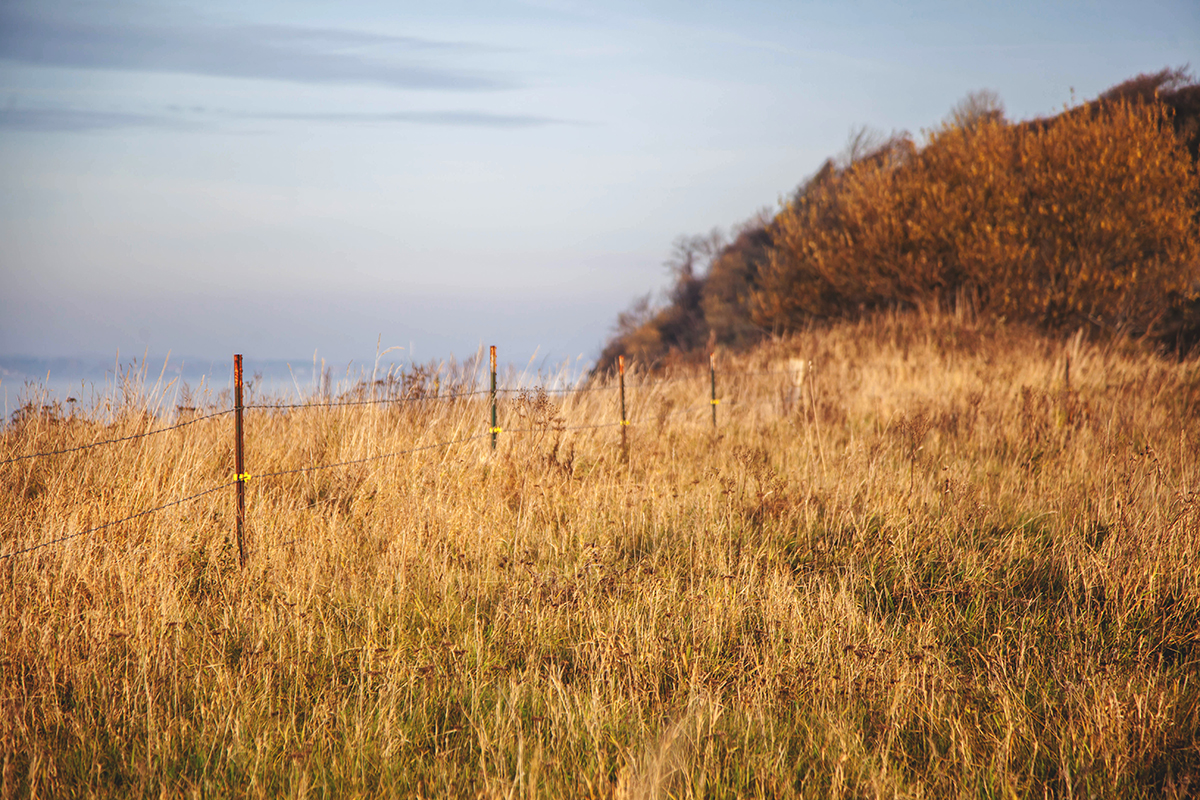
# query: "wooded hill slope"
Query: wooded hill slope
{"points": [[1088, 218]]}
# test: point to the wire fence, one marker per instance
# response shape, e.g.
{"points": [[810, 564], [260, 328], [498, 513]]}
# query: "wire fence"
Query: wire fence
{"points": [[368, 459], [374, 401], [117, 440], [241, 477], [131, 517]]}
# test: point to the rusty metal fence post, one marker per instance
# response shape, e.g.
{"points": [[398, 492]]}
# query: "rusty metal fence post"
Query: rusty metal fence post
{"points": [[712, 377], [239, 459], [495, 428]]}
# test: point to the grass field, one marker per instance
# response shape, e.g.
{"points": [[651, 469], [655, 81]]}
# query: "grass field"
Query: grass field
{"points": [[933, 571]]}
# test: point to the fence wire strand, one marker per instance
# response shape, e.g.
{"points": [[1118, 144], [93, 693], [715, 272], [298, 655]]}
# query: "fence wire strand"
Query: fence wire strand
{"points": [[605, 387], [561, 390], [552, 429], [62, 539], [119, 439], [369, 458], [411, 450], [372, 402]]}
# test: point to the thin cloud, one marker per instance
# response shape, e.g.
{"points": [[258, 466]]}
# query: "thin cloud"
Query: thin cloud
{"points": [[57, 120], [271, 52], [341, 38], [476, 119]]}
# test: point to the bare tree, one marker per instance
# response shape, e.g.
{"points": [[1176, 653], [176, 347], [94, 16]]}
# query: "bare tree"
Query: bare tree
{"points": [[978, 106], [862, 143], [692, 255]]}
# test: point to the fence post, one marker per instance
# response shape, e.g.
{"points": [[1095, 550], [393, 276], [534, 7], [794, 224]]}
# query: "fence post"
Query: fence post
{"points": [[712, 377], [624, 422], [494, 428], [239, 458]]}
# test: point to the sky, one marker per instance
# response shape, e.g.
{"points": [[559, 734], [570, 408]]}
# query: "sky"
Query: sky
{"points": [[279, 178]]}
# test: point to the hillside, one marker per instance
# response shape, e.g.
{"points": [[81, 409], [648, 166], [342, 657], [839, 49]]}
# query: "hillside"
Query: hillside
{"points": [[927, 529], [957, 559], [1090, 218]]}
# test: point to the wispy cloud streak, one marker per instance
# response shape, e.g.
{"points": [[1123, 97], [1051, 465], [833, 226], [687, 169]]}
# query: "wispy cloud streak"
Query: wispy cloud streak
{"points": [[51, 120], [271, 52], [476, 119], [57, 120]]}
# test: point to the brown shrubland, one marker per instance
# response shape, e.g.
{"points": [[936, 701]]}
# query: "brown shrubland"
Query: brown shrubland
{"points": [[933, 569], [1092, 217], [1088, 218]]}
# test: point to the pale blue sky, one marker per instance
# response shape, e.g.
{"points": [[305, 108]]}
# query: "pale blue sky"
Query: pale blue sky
{"points": [[274, 178]]}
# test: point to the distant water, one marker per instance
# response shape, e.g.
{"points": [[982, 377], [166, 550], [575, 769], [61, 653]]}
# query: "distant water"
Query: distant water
{"points": [[87, 382]]}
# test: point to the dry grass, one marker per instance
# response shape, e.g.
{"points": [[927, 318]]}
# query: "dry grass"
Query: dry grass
{"points": [[933, 571]]}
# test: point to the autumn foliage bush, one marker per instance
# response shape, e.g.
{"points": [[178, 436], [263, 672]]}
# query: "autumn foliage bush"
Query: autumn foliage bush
{"points": [[1093, 216], [1089, 218]]}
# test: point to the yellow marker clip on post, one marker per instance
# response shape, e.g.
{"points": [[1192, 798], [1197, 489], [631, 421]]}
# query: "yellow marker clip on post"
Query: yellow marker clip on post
{"points": [[624, 422], [495, 430], [241, 476], [715, 402]]}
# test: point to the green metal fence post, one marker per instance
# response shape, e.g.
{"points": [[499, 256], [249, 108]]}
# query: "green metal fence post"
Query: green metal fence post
{"points": [[239, 458], [624, 422]]}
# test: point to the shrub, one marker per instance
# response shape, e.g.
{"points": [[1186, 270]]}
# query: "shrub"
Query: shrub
{"points": [[1090, 215]]}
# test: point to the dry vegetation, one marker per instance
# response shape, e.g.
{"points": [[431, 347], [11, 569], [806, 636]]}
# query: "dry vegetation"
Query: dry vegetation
{"points": [[933, 570], [1090, 217]]}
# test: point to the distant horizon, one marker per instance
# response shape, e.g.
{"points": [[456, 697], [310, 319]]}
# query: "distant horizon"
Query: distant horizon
{"points": [[273, 178], [71, 376]]}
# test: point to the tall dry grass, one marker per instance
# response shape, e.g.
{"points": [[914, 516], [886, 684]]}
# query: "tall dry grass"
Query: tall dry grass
{"points": [[932, 570]]}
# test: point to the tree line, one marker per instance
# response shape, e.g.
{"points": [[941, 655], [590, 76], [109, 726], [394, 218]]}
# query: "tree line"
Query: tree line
{"points": [[1089, 218]]}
